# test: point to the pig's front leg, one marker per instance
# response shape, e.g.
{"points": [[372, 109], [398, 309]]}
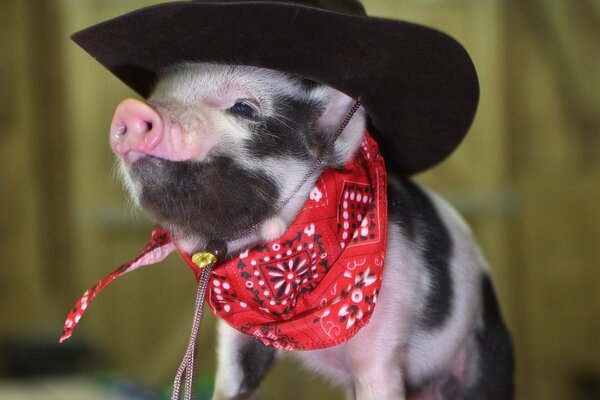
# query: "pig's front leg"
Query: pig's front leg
{"points": [[242, 364], [379, 377], [375, 360], [377, 355]]}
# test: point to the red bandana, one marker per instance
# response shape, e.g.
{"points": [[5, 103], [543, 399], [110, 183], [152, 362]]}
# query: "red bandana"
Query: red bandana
{"points": [[314, 287]]}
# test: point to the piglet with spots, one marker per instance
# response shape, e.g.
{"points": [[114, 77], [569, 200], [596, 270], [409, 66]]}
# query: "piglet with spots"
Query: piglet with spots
{"points": [[217, 154], [316, 249]]}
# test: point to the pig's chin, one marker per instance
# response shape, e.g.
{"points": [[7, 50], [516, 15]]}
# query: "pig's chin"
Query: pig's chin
{"points": [[210, 200]]}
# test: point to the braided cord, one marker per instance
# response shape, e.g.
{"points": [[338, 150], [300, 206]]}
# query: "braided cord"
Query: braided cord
{"points": [[187, 364], [326, 152]]}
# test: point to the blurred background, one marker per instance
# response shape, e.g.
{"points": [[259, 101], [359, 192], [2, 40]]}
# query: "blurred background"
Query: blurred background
{"points": [[527, 178]]}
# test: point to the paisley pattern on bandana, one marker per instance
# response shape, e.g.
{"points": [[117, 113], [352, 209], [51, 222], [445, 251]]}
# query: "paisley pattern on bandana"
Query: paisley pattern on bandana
{"points": [[316, 286]]}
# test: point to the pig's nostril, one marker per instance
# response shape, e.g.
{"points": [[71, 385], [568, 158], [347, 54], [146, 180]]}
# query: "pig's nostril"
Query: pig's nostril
{"points": [[119, 131]]}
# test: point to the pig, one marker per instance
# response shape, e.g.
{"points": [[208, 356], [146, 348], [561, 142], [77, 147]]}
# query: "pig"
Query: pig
{"points": [[219, 149]]}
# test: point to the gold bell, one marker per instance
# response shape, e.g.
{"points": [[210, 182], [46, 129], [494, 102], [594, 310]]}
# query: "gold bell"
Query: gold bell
{"points": [[204, 259]]}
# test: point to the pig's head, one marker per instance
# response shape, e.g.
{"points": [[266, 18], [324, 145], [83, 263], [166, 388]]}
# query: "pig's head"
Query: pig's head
{"points": [[218, 151]]}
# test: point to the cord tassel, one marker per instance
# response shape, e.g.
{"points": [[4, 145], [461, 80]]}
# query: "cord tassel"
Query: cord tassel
{"points": [[186, 371]]}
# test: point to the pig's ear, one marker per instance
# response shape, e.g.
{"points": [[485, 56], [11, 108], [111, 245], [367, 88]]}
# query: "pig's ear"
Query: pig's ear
{"points": [[336, 110]]}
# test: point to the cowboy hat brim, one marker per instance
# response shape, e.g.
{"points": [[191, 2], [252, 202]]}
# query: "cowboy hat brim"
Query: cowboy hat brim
{"points": [[418, 85]]}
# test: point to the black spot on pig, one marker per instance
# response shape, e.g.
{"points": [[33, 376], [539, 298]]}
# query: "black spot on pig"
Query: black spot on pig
{"points": [[495, 379], [218, 199], [444, 386], [255, 359], [287, 133], [412, 210], [452, 388]]}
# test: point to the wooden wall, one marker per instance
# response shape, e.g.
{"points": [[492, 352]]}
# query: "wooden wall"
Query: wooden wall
{"points": [[552, 63], [527, 178], [19, 192]]}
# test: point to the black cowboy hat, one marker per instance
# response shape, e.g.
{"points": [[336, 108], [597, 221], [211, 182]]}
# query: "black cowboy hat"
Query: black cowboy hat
{"points": [[417, 84]]}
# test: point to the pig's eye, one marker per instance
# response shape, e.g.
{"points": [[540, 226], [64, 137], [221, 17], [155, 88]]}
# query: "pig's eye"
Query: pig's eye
{"points": [[244, 109]]}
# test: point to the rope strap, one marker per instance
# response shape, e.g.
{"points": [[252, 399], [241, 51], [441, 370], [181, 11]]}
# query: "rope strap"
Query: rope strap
{"points": [[185, 373]]}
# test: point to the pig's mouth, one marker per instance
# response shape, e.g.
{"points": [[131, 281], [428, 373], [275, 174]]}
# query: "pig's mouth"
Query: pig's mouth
{"points": [[209, 200], [131, 157]]}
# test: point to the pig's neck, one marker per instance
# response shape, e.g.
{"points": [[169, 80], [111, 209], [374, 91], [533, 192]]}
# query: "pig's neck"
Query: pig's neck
{"points": [[262, 232]]}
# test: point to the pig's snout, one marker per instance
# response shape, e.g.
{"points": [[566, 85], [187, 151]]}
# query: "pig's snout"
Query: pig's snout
{"points": [[136, 130]]}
